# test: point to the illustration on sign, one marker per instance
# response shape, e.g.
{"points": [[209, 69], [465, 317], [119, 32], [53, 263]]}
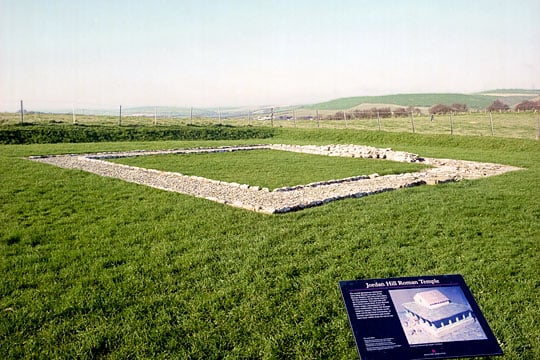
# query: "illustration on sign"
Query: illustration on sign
{"points": [[432, 317]]}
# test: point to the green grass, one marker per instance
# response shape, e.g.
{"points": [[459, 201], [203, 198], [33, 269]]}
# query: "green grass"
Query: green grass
{"points": [[473, 101], [50, 134], [95, 267], [268, 168], [523, 125], [505, 125]]}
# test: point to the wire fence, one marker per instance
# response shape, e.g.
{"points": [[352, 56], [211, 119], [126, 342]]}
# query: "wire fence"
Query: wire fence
{"points": [[510, 124]]}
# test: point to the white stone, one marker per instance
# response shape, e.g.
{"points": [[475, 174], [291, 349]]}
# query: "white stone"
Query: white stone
{"points": [[294, 198]]}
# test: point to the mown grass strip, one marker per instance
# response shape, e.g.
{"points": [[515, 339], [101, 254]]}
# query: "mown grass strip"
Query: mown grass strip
{"points": [[268, 168]]}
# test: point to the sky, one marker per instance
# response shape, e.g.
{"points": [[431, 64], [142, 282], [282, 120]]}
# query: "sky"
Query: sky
{"points": [[203, 53]]}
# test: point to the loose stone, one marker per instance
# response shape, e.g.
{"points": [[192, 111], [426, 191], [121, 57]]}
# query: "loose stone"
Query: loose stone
{"points": [[286, 199]]}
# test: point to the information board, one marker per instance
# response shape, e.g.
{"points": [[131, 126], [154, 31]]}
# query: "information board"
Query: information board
{"points": [[427, 317]]}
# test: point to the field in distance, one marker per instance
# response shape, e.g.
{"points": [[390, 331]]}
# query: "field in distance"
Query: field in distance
{"points": [[523, 125], [476, 101]]}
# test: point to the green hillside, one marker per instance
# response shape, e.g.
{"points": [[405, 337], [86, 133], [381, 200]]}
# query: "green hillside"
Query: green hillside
{"points": [[473, 101], [511, 91]]}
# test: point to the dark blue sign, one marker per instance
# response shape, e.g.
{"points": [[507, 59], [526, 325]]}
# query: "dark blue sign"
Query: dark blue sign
{"points": [[427, 317]]}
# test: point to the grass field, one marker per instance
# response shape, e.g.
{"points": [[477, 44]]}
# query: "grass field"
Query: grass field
{"points": [[524, 125], [95, 267], [268, 168], [473, 101], [504, 125]]}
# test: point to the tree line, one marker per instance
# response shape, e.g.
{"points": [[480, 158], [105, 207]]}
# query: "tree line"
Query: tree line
{"points": [[527, 105], [374, 113], [438, 109]]}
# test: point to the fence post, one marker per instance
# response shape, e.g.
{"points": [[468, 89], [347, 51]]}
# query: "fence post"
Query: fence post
{"points": [[491, 123], [22, 112], [412, 122]]}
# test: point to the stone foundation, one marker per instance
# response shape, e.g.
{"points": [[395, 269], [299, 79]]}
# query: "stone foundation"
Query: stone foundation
{"points": [[283, 199]]}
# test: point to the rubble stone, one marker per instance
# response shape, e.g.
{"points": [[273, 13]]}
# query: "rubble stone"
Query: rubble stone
{"points": [[285, 199]]}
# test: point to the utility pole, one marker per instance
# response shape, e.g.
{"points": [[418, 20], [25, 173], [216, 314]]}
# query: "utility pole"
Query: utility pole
{"points": [[73, 113], [412, 121], [191, 115], [491, 122], [155, 115], [120, 116], [318, 119], [22, 112], [272, 116]]}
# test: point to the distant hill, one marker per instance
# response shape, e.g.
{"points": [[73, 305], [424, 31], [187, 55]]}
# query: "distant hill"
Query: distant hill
{"points": [[177, 111], [480, 100], [224, 112], [511, 91], [474, 101], [173, 111]]}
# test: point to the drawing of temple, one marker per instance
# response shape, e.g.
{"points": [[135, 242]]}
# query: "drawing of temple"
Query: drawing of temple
{"points": [[436, 313]]}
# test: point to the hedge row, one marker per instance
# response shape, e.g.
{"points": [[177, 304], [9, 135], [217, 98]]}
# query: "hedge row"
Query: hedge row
{"points": [[48, 134]]}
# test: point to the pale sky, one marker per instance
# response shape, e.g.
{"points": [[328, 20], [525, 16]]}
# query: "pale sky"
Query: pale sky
{"points": [[104, 53]]}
